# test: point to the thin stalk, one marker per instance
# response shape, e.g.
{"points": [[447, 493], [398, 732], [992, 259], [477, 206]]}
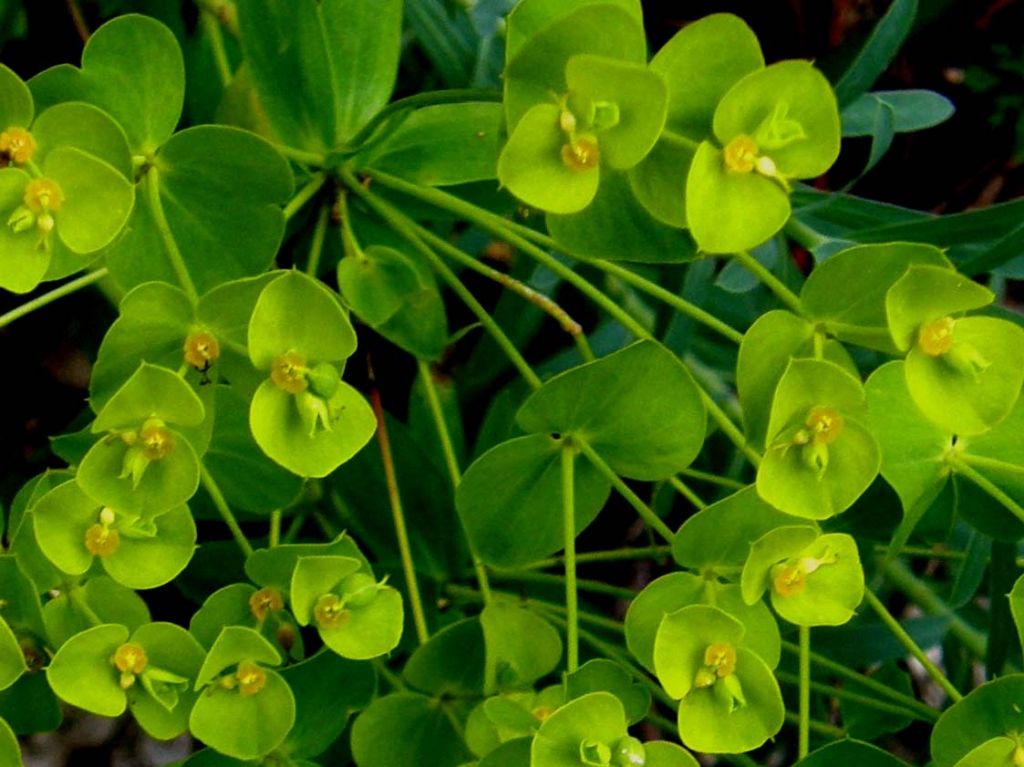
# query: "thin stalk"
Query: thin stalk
{"points": [[770, 281], [316, 247], [805, 693], [681, 488], [583, 584], [646, 513], [502, 228], [911, 646], [569, 538], [292, 533], [813, 725], [78, 20], [524, 291], [301, 156], [841, 693], [452, 463], [274, 537], [922, 551], [865, 681], [492, 327], [224, 510], [453, 96], [678, 303], [714, 479], [152, 184], [615, 555], [983, 462], [419, 617], [991, 489], [212, 27], [304, 195], [48, 298]]}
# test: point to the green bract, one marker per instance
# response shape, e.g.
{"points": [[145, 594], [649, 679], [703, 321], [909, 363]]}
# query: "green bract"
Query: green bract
{"points": [[729, 700], [590, 730], [985, 723], [303, 415], [819, 456]]}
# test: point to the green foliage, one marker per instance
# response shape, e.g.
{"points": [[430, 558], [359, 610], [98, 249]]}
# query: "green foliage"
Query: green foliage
{"points": [[237, 388]]}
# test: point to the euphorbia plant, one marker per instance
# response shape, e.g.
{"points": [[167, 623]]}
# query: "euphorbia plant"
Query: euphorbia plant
{"points": [[365, 473]]}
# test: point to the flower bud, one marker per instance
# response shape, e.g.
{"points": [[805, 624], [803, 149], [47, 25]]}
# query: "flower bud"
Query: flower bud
{"points": [[630, 752], [324, 380]]}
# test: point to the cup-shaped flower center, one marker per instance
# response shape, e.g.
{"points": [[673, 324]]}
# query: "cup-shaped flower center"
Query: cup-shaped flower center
{"points": [[265, 601], [936, 338], [789, 581], [201, 350], [102, 539], [582, 153], [17, 147], [330, 612], [288, 372], [156, 440], [250, 677], [740, 154], [130, 659], [43, 195], [825, 425]]}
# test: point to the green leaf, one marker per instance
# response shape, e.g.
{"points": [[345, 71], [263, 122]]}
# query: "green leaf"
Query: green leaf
{"points": [[659, 183], [714, 718], [595, 718], [989, 711], [912, 110], [10, 751], [973, 400], [790, 112], [313, 577], [637, 95], [811, 473], [879, 50], [274, 567], [452, 662], [510, 500], [767, 551], [404, 729], [656, 426], [927, 293], [77, 609], [848, 752], [616, 226], [30, 706], [728, 212], [234, 645], [245, 726], [532, 168], [16, 107], [603, 675], [151, 392], [23, 263], [847, 292], [12, 660], [535, 68], [1000, 751], [832, 583], [23, 611], [173, 660], [143, 94], [521, 646], [441, 145], [323, 335], [700, 63], [86, 128], [662, 753], [83, 674]]}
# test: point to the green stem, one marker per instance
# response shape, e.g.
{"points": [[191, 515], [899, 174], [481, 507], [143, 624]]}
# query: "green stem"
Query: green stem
{"points": [[679, 139], [301, 156], [274, 538], [224, 510], [911, 646], [292, 533], [803, 235], [841, 693], [152, 184], [385, 211], [822, 728], [714, 479], [389, 676], [453, 96], [304, 195], [220, 55], [805, 692], [921, 551], [542, 302], [77, 598], [678, 303], [419, 617], [770, 281], [48, 298], [862, 680], [991, 489], [452, 463], [616, 555], [316, 247], [686, 492], [646, 513], [983, 462], [583, 584], [569, 538], [502, 228]]}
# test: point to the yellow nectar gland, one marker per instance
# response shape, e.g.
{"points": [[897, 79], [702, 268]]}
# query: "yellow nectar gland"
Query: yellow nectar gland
{"points": [[540, 713], [251, 678], [130, 659], [157, 441], [265, 601], [102, 540], [330, 612], [581, 153], [825, 425], [201, 350], [721, 657], [288, 372], [17, 147], [741, 154], [43, 196], [936, 338], [789, 581]]}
